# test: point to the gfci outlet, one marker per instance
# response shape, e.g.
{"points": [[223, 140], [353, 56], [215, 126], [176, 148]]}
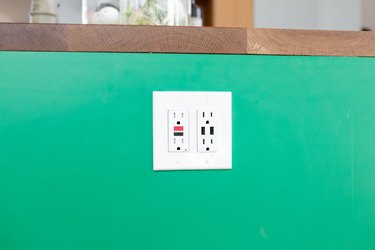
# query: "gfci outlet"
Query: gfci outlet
{"points": [[178, 131], [192, 130]]}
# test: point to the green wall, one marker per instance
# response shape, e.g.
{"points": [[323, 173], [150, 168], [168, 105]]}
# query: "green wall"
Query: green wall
{"points": [[76, 154]]}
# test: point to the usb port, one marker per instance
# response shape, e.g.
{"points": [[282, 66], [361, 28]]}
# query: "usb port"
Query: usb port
{"points": [[203, 131], [211, 130], [178, 134]]}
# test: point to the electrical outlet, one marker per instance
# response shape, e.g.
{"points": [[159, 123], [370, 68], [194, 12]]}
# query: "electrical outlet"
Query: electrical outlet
{"points": [[207, 131], [175, 151], [178, 131]]}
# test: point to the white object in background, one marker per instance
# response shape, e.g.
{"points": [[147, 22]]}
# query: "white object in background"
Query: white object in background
{"points": [[219, 157], [196, 21], [107, 15], [100, 12], [44, 11]]}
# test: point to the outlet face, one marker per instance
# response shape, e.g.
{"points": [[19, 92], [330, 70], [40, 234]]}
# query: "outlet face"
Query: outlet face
{"points": [[178, 131], [178, 141], [207, 131]]}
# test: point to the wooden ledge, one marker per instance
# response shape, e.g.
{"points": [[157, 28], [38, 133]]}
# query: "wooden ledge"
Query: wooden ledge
{"points": [[162, 39]]}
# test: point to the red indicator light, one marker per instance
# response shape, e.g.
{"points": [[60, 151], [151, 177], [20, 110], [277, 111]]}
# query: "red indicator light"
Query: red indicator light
{"points": [[179, 128]]}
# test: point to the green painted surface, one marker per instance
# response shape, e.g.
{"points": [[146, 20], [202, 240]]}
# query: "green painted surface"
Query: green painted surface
{"points": [[76, 154]]}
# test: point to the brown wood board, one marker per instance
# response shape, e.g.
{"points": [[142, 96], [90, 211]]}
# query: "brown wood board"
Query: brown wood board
{"points": [[163, 39], [310, 42]]}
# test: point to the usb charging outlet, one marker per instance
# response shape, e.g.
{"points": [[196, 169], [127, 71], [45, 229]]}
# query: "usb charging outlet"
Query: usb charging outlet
{"points": [[207, 131]]}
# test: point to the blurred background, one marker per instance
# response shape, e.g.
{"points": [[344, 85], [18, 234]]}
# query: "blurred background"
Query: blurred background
{"points": [[291, 14]]}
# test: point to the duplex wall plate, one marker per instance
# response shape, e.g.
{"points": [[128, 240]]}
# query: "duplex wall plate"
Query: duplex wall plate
{"points": [[206, 140]]}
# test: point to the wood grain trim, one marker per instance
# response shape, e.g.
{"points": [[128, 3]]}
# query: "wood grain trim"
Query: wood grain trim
{"points": [[157, 39], [116, 38], [310, 42]]}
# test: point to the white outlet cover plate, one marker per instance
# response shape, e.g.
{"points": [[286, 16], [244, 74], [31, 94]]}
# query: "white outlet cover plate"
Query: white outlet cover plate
{"points": [[221, 102]]}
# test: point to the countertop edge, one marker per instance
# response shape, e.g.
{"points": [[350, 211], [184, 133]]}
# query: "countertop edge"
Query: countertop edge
{"points": [[183, 40]]}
